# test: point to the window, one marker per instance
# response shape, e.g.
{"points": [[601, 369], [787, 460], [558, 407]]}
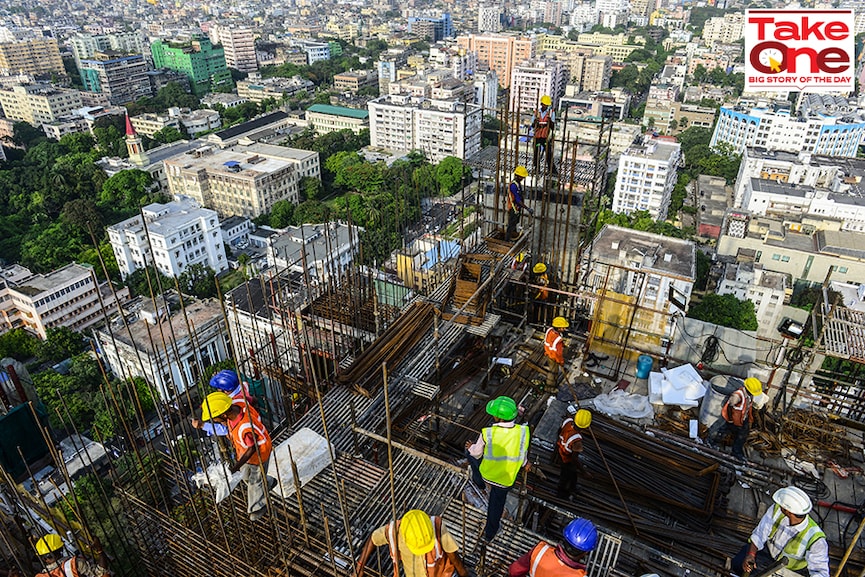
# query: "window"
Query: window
{"points": [[842, 269], [776, 257], [785, 259]]}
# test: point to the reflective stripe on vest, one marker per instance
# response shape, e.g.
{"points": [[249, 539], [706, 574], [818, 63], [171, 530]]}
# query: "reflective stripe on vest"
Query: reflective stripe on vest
{"points": [[67, 568], [796, 548], [545, 563], [552, 344], [250, 421], [504, 453], [734, 415]]}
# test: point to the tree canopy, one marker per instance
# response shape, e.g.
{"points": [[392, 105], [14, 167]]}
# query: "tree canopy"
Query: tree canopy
{"points": [[725, 310]]}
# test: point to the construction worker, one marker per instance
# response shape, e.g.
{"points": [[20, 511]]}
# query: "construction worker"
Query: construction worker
{"points": [[421, 542], [521, 262], [227, 382], [542, 281], [569, 447], [554, 349], [252, 446], [543, 125], [786, 530], [50, 551], [496, 458], [566, 559], [515, 202], [736, 416]]}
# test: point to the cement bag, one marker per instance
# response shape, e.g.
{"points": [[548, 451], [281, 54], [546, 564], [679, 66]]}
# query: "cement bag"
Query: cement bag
{"points": [[219, 479], [620, 403]]}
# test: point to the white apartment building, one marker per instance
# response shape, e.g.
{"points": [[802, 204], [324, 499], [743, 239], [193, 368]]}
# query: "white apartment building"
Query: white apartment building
{"points": [[194, 121], [66, 297], [646, 177], [172, 236], [38, 104], [439, 128], [532, 79], [489, 19], [766, 289], [825, 125], [325, 118], [325, 250], [486, 85], [256, 89], [85, 46], [239, 45], [242, 180], [724, 29], [315, 51], [170, 365]]}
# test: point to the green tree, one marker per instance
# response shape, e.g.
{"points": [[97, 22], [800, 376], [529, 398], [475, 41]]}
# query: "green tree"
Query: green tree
{"points": [[18, 344], [725, 310], [26, 135], [90, 256], [703, 265], [310, 188], [167, 135], [700, 73], [50, 247], [83, 214], [126, 190], [139, 284], [282, 214], [198, 280], [61, 343], [311, 212], [451, 173]]}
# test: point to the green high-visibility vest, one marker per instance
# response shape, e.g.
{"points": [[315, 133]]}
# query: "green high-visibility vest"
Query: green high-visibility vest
{"points": [[504, 453], [797, 547]]}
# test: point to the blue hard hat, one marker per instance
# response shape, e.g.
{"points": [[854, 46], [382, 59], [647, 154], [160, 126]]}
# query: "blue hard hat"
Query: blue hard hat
{"points": [[581, 534], [224, 381]]}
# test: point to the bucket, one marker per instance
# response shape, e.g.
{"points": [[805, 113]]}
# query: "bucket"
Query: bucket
{"points": [[720, 387], [644, 366]]}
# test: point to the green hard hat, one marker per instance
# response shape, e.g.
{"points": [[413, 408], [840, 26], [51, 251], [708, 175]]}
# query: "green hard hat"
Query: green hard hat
{"points": [[504, 408]]}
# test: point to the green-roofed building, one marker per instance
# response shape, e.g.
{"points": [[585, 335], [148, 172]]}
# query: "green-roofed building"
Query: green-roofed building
{"points": [[202, 62], [325, 118]]}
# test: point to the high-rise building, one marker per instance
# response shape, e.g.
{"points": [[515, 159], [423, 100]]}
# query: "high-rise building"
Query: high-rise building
{"points": [[597, 71], [35, 57], [241, 180], [825, 124], [172, 236], [646, 177], [122, 79], [724, 29], [85, 46], [38, 103], [67, 297], [239, 45], [439, 128], [533, 79], [434, 29], [489, 19], [202, 63], [500, 52], [389, 62]]}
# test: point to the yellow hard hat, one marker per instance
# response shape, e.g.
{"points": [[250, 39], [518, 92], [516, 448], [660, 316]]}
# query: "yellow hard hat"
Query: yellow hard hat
{"points": [[417, 531], [215, 404], [561, 323], [49, 544], [539, 268], [583, 418], [546, 100], [521, 257], [754, 386], [521, 171]]}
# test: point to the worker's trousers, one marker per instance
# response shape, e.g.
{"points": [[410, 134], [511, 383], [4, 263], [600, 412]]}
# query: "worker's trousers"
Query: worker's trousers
{"points": [[256, 500], [740, 435], [568, 475], [764, 560], [552, 374], [497, 498], [513, 221]]}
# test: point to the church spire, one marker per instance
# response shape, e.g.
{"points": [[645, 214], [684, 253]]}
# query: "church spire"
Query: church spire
{"points": [[135, 146]]}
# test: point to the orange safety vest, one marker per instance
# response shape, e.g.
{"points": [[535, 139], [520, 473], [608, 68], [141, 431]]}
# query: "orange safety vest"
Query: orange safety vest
{"points": [[542, 124], [437, 563], [554, 347], [543, 293], [66, 568], [250, 422], [737, 415], [545, 563], [570, 443]]}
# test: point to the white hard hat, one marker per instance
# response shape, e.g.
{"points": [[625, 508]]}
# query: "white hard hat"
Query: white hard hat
{"points": [[793, 499]]}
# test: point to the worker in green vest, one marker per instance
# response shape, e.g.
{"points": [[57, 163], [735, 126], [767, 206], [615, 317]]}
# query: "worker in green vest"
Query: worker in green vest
{"points": [[786, 530], [497, 457]]}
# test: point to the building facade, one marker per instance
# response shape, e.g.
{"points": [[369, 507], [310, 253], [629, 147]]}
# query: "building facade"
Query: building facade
{"points": [[439, 128], [325, 118], [354, 80], [171, 236], [597, 72], [532, 79], [34, 57], [241, 180], [122, 80], [85, 46], [324, 251], [646, 177], [66, 297], [239, 45], [500, 52], [766, 289], [39, 104], [489, 19], [198, 59]]}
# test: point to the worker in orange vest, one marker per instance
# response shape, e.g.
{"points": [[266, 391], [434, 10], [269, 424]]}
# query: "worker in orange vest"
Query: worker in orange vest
{"points": [[554, 349], [50, 551], [539, 303], [565, 560], [421, 542], [569, 447], [736, 416], [543, 124], [227, 382], [252, 446]]}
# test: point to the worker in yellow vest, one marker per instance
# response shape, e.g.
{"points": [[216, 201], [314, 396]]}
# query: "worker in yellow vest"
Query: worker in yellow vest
{"points": [[786, 530], [565, 560], [497, 457]]}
